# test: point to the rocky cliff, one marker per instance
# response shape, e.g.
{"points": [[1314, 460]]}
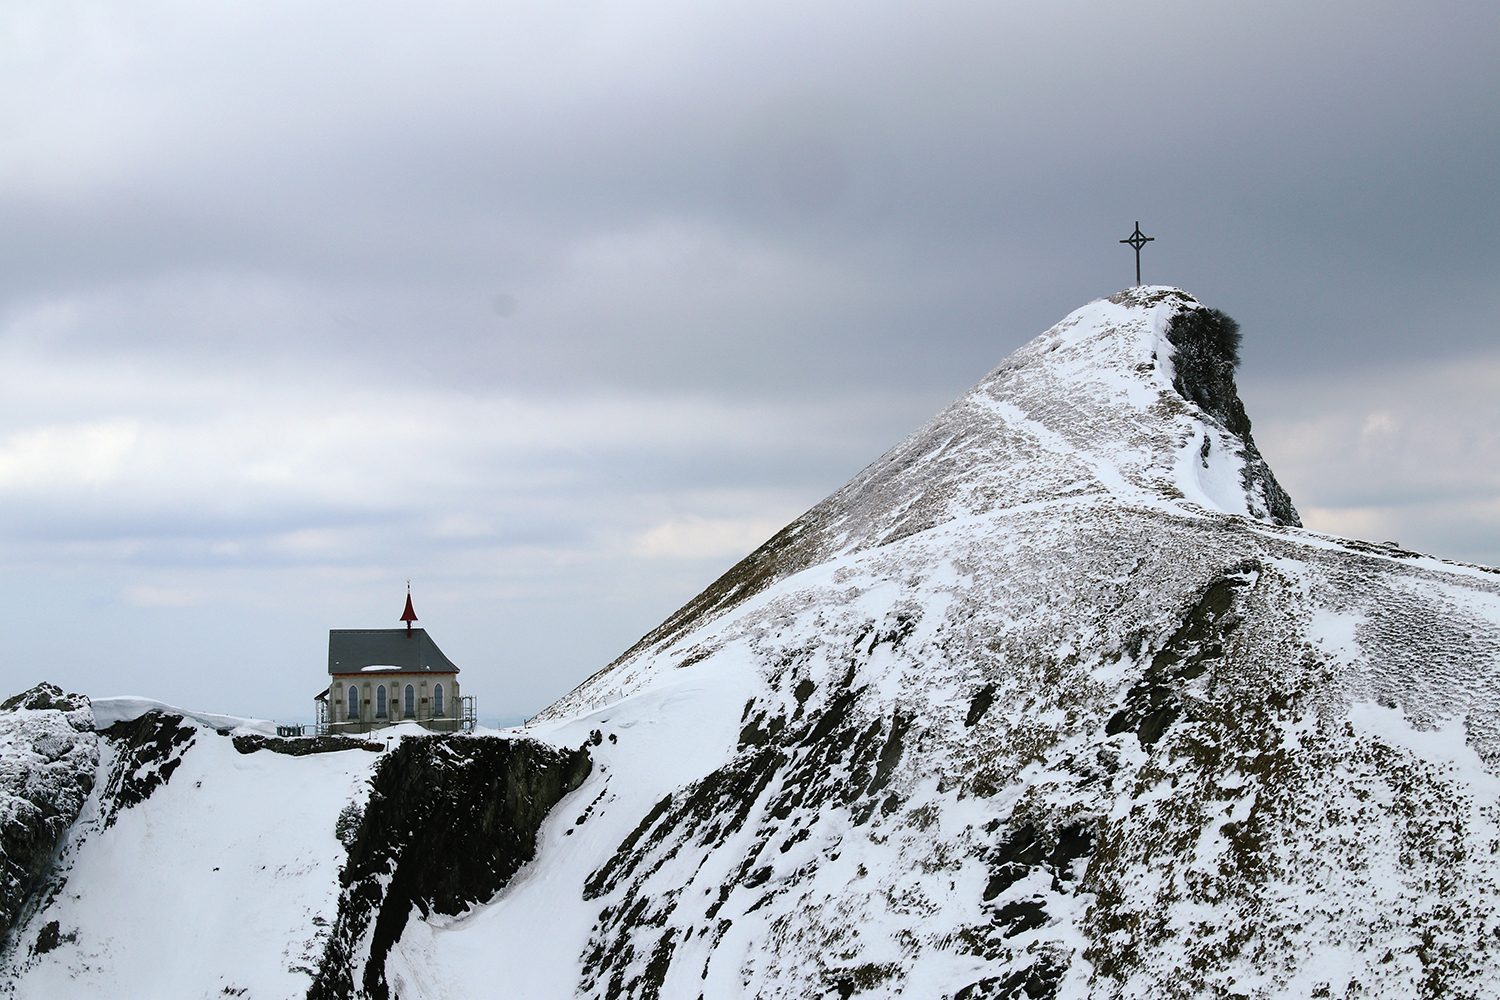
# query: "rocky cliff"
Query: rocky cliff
{"points": [[48, 756]]}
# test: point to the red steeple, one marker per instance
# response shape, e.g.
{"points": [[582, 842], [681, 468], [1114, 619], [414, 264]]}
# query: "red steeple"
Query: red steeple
{"points": [[409, 615]]}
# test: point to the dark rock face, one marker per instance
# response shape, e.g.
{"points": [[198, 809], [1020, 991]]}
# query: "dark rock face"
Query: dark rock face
{"points": [[303, 745], [1039, 982], [450, 820], [1207, 352], [1024, 850], [49, 937], [1154, 703], [148, 750], [48, 754], [45, 697]]}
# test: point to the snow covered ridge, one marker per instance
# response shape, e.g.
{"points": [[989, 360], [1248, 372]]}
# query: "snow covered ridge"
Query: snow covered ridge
{"points": [[201, 859], [128, 708], [49, 763]]}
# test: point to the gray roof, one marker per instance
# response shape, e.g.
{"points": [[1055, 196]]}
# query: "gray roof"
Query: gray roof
{"points": [[351, 650]]}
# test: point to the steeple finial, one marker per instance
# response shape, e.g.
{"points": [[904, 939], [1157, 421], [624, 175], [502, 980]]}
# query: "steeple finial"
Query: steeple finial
{"points": [[409, 615]]}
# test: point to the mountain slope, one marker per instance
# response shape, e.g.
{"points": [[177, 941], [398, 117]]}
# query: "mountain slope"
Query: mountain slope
{"points": [[1055, 699]]}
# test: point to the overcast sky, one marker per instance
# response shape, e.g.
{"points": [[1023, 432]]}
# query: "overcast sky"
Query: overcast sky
{"points": [[560, 309]]}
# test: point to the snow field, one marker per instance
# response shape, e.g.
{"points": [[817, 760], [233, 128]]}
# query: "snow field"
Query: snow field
{"points": [[219, 879]]}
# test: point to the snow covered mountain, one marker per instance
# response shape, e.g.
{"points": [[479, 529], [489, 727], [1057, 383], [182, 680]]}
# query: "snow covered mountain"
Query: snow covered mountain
{"points": [[1055, 699]]}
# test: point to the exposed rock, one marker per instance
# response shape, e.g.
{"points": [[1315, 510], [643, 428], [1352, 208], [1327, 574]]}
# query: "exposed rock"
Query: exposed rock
{"points": [[798, 769], [48, 753], [300, 746], [1207, 346], [147, 750], [448, 822], [45, 697]]}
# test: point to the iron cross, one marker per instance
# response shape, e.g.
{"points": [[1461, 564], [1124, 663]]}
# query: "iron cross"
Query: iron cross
{"points": [[1138, 240]]}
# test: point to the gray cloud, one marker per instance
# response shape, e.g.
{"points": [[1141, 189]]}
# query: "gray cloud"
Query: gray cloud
{"points": [[553, 308]]}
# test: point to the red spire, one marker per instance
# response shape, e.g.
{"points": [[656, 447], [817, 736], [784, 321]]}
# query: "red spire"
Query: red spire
{"points": [[409, 615]]}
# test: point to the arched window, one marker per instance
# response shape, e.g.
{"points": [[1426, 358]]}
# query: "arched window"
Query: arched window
{"points": [[437, 699], [380, 702], [411, 702], [351, 710]]}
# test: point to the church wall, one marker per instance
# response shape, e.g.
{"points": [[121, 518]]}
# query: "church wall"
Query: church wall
{"points": [[424, 693]]}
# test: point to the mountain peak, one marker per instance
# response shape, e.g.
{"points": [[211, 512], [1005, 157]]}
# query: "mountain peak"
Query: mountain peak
{"points": [[1129, 401], [1143, 378], [1051, 698]]}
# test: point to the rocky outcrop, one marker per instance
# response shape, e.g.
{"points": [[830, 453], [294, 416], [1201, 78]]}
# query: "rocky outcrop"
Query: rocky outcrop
{"points": [[48, 753], [796, 770], [147, 750], [301, 746], [1206, 352], [448, 822]]}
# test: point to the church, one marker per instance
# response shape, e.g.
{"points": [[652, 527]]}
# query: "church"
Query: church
{"points": [[381, 676]]}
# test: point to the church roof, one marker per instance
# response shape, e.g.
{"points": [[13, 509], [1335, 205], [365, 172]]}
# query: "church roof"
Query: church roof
{"points": [[353, 650]]}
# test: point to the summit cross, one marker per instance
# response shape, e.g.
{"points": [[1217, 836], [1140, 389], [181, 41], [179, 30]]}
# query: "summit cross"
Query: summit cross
{"points": [[1138, 240]]}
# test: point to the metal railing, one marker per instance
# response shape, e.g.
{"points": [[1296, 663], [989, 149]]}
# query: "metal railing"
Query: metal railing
{"points": [[465, 720]]}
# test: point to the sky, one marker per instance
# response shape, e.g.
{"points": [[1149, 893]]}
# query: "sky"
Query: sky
{"points": [[558, 310]]}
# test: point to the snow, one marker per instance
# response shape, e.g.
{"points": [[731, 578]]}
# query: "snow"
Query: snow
{"points": [[219, 882], [1080, 507], [128, 708], [664, 739], [1444, 746]]}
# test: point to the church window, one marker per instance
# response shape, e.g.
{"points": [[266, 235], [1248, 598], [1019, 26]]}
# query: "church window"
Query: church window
{"points": [[380, 702], [437, 699], [411, 701], [351, 710]]}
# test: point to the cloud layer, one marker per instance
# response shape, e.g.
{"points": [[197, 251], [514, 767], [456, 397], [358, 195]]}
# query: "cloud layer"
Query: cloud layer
{"points": [[559, 309]]}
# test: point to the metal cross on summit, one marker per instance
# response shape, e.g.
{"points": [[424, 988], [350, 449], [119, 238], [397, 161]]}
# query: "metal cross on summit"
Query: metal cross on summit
{"points": [[1138, 240]]}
